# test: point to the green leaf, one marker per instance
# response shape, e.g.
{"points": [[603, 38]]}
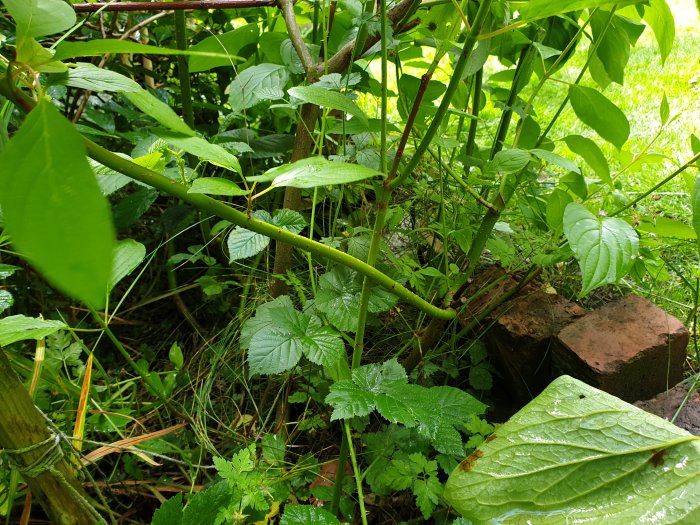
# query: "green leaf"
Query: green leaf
{"points": [[290, 220], [578, 455], [338, 297], [244, 243], [35, 18], [278, 335], [659, 16], [19, 327], [591, 154], [204, 506], [327, 99], [556, 204], [665, 227], [557, 160], [537, 9], [614, 37], [53, 208], [604, 247], [201, 148], [664, 110], [427, 492], [158, 110], [217, 186], [695, 205], [306, 514], [128, 210], [66, 50], [315, 171], [170, 512], [506, 162], [251, 85], [596, 111], [128, 254], [175, 356], [229, 43], [88, 76], [6, 270]]}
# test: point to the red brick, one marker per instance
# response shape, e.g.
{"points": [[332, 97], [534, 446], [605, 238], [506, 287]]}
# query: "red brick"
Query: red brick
{"points": [[667, 403], [629, 348]]}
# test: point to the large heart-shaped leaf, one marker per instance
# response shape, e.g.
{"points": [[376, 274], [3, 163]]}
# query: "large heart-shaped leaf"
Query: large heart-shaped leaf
{"points": [[604, 247], [578, 455]]}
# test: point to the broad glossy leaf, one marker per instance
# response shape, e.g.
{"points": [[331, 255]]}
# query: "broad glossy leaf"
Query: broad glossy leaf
{"points": [[316, 171], [537, 9], [128, 254], [229, 43], [159, 110], [217, 186], [88, 76], [596, 111], [201, 148], [35, 18], [306, 514], [578, 455], [605, 248], [53, 209], [659, 16], [19, 327], [244, 90], [591, 154], [327, 99]]}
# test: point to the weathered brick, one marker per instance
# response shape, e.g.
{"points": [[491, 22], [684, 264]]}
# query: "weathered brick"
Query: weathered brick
{"points": [[629, 348], [666, 404], [521, 336]]}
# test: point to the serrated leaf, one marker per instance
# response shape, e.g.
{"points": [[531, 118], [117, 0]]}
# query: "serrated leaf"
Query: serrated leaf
{"points": [[128, 254], [158, 110], [53, 209], [217, 186], [201, 148], [6, 270], [244, 243], [244, 90], [591, 154], [605, 248], [6, 300], [307, 514], [596, 111], [290, 220], [600, 459], [349, 400], [88, 76], [20, 327], [170, 512], [313, 172], [204, 506], [427, 492], [328, 99]]}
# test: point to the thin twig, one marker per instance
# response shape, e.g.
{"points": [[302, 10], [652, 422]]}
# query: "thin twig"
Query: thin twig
{"points": [[171, 6]]}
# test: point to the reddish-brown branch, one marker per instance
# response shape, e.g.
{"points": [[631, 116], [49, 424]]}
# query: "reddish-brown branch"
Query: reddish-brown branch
{"points": [[172, 6]]}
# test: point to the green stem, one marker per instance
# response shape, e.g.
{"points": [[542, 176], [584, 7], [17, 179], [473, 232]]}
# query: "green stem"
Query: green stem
{"points": [[183, 70], [356, 471], [222, 210]]}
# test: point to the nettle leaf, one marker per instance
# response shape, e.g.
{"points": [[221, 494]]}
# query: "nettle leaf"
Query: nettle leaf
{"points": [[170, 512], [20, 327], [201, 148], [596, 111], [35, 18], [600, 460], [591, 154], [435, 412], [244, 243], [128, 254], [315, 171], [244, 91], [305, 514], [328, 99], [604, 247], [217, 186], [88, 76], [279, 334], [53, 208], [338, 297]]}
